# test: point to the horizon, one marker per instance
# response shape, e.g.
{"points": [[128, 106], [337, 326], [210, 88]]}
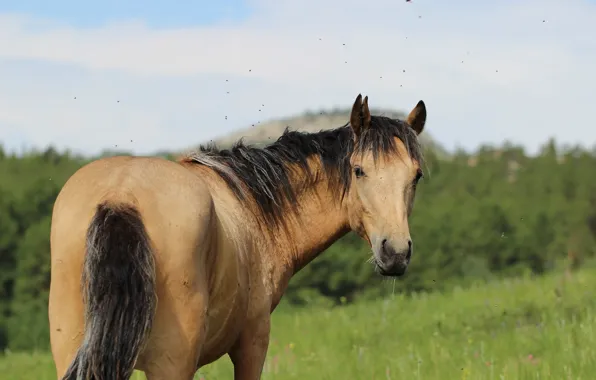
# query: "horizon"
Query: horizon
{"points": [[138, 70]]}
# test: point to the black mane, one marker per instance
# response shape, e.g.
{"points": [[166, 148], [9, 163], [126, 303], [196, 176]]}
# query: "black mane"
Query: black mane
{"points": [[266, 172]]}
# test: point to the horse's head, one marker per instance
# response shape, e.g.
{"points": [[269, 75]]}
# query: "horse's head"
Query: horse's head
{"points": [[386, 167]]}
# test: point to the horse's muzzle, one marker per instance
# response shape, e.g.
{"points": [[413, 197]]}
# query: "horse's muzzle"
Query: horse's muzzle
{"points": [[392, 262]]}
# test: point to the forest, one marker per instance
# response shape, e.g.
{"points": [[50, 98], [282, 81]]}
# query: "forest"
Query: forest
{"points": [[495, 212]]}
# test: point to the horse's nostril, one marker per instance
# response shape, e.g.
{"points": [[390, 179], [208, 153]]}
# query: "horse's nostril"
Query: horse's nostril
{"points": [[383, 243]]}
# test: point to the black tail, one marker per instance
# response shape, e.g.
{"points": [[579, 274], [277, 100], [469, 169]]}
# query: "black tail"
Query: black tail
{"points": [[119, 293]]}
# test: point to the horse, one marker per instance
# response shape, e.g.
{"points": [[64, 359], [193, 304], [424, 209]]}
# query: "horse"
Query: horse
{"points": [[165, 266]]}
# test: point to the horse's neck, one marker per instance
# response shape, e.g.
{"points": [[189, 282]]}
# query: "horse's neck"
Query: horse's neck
{"points": [[320, 222]]}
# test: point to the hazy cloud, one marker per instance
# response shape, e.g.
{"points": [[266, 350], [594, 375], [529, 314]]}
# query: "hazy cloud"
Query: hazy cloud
{"points": [[520, 70]]}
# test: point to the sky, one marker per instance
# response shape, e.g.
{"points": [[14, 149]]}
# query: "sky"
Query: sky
{"points": [[156, 75]]}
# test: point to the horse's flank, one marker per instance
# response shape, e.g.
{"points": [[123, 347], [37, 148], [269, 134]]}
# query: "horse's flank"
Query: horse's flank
{"points": [[227, 230]]}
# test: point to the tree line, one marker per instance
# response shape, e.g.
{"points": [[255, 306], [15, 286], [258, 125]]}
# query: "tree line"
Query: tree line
{"points": [[478, 215]]}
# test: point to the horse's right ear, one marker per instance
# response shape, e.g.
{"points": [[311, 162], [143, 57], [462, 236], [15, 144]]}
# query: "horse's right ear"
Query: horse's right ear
{"points": [[360, 117]]}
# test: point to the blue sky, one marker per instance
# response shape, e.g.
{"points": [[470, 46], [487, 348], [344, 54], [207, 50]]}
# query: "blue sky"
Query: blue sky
{"points": [[157, 14], [150, 76]]}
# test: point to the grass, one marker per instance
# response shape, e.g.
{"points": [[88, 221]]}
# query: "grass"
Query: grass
{"points": [[542, 328]]}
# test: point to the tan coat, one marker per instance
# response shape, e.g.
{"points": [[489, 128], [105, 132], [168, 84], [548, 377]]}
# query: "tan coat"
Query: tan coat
{"points": [[166, 266]]}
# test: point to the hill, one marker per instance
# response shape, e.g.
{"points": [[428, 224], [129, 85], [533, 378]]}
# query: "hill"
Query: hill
{"points": [[269, 131]]}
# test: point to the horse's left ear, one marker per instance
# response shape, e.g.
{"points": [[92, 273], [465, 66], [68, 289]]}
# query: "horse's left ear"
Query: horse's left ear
{"points": [[360, 117], [417, 117]]}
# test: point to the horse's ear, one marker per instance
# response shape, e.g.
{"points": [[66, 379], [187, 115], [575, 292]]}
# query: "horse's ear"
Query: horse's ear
{"points": [[417, 117], [360, 117], [366, 113]]}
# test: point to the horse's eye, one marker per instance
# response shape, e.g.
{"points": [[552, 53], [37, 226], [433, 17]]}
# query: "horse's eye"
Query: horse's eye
{"points": [[419, 176], [358, 171]]}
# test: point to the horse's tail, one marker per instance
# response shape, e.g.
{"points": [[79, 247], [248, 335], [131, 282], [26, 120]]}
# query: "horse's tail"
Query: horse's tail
{"points": [[119, 293]]}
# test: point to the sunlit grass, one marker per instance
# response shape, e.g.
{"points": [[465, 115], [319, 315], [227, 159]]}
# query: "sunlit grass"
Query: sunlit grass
{"points": [[515, 329]]}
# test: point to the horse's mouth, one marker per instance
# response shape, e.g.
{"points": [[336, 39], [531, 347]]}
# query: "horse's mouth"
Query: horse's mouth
{"points": [[394, 271]]}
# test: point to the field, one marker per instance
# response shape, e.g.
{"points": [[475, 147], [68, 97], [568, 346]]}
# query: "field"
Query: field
{"points": [[542, 328]]}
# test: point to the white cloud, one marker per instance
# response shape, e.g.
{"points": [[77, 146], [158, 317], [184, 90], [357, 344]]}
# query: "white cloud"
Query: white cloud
{"points": [[526, 72]]}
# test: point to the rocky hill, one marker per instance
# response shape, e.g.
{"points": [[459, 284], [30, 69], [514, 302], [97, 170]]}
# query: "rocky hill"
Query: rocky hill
{"points": [[267, 132]]}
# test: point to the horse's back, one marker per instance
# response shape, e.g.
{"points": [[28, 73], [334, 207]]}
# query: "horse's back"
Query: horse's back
{"points": [[171, 200], [163, 191]]}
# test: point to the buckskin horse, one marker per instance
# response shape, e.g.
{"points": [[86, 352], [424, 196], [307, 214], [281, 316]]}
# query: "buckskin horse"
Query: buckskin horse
{"points": [[165, 266]]}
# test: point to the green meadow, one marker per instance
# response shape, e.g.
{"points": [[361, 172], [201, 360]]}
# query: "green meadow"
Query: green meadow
{"points": [[527, 328]]}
